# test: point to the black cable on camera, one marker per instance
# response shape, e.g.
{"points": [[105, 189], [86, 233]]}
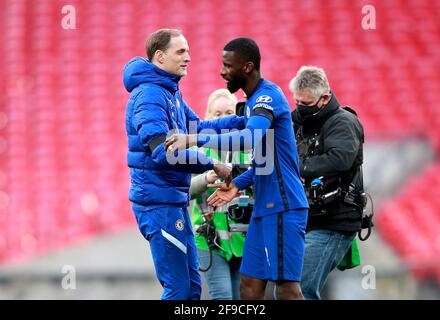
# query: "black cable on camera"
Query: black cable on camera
{"points": [[369, 221], [207, 230]]}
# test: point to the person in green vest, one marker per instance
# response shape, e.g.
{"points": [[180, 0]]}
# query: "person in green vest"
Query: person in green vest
{"points": [[220, 261]]}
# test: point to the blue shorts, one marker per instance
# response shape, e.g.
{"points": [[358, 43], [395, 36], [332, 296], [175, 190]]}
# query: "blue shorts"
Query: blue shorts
{"points": [[274, 246]]}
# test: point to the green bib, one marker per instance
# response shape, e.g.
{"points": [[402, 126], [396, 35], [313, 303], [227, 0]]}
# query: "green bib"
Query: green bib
{"points": [[231, 243]]}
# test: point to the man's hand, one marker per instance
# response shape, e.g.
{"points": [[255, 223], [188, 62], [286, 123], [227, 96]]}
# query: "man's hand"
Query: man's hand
{"points": [[180, 142], [222, 195], [223, 172]]}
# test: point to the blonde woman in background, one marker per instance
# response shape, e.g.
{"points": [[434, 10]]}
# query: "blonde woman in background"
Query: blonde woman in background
{"points": [[222, 262]]}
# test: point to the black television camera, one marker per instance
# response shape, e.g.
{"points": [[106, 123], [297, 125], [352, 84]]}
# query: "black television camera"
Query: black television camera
{"points": [[239, 108], [240, 212], [241, 207], [323, 191]]}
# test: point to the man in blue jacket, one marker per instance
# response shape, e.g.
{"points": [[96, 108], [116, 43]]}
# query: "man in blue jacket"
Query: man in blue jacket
{"points": [[274, 245], [159, 185]]}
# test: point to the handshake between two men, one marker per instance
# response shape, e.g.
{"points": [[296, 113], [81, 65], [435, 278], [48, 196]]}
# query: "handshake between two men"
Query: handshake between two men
{"points": [[226, 191]]}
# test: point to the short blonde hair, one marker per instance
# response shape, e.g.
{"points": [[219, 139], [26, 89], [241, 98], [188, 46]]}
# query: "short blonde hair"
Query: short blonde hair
{"points": [[310, 78], [219, 93]]}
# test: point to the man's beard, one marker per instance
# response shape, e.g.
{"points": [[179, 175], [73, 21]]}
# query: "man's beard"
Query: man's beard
{"points": [[236, 84]]}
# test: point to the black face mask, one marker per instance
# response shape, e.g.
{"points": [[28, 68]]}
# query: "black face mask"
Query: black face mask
{"points": [[308, 111]]}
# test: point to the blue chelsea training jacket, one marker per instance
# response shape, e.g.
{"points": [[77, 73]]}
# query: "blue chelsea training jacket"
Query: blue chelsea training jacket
{"points": [[156, 108]]}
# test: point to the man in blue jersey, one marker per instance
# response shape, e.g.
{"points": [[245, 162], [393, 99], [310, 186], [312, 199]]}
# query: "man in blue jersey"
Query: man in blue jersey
{"points": [[274, 245], [159, 187]]}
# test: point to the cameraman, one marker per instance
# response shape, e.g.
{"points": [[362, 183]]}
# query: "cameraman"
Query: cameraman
{"points": [[330, 146]]}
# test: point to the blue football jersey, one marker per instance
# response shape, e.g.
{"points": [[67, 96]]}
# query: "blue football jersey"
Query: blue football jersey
{"points": [[276, 175]]}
